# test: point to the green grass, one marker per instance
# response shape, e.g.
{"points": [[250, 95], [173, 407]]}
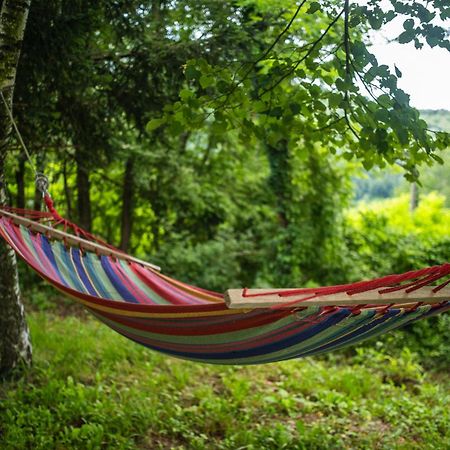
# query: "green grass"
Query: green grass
{"points": [[90, 388]]}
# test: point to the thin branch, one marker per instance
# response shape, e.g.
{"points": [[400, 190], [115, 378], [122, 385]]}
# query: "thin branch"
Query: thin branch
{"points": [[328, 125], [263, 56], [314, 45], [348, 72], [275, 42]]}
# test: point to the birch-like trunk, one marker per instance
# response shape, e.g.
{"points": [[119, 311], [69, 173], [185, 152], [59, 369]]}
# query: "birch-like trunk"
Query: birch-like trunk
{"points": [[15, 346]]}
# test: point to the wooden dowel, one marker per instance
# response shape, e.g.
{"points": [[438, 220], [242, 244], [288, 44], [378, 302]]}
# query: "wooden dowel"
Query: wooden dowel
{"points": [[234, 298], [74, 241]]}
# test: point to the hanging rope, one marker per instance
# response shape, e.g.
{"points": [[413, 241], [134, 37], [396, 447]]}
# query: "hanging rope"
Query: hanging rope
{"points": [[41, 181]]}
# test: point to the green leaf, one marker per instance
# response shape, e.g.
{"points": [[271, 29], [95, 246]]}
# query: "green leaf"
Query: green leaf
{"points": [[424, 14], [437, 158], [432, 41], [186, 94], [206, 81], [397, 71], [385, 101], [402, 135], [295, 107], [408, 24], [406, 36], [315, 6], [382, 115], [335, 100], [319, 106], [176, 127], [347, 156], [375, 22], [191, 72], [154, 124], [402, 97], [341, 85]]}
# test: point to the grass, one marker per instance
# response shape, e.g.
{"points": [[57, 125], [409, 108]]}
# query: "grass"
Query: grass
{"points": [[90, 388]]}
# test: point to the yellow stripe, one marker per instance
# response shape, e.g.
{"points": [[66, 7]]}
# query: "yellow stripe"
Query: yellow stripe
{"points": [[87, 274], [148, 314], [162, 315], [188, 289]]}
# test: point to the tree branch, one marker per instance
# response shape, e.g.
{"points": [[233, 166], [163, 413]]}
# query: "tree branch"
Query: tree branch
{"points": [[313, 46]]}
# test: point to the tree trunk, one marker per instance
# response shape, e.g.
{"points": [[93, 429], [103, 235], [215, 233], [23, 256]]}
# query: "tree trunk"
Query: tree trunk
{"points": [[414, 197], [20, 182], [83, 192], [127, 205], [40, 164], [15, 346], [67, 191]]}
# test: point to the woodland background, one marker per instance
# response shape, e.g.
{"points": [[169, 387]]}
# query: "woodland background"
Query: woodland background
{"points": [[244, 143]]}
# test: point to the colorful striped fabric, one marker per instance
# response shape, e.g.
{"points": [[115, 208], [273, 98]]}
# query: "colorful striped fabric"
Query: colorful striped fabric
{"points": [[187, 322]]}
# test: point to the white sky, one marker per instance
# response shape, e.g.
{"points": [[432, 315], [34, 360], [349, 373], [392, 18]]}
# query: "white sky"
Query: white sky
{"points": [[426, 72]]}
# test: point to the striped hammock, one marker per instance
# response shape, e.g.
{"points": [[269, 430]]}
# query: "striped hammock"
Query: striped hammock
{"points": [[133, 298]]}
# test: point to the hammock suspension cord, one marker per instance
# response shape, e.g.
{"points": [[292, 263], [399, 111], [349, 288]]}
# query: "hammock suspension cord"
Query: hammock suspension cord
{"points": [[41, 181]]}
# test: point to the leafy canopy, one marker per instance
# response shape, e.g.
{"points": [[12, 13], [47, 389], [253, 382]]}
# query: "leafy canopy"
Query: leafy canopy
{"points": [[307, 72]]}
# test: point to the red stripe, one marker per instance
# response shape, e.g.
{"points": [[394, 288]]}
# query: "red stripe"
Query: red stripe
{"points": [[129, 284], [164, 289], [240, 322], [252, 342]]}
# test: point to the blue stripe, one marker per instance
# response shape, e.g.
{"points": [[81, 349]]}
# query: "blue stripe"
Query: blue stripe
{"points": [[313, 348], [367, 331], [48, 250], [91, 269], [121, 289], [258, 351], [70, 269], [82, 273]]}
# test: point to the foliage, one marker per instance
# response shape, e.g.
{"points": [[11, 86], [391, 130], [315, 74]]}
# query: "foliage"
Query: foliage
{"points": [[243, 122], [229, 115], [91, 389], [383, 237], [431, 219], [388, 182], [317, 93]]}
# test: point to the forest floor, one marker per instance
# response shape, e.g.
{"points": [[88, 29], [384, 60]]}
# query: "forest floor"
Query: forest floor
{"points": [[90, 388]]}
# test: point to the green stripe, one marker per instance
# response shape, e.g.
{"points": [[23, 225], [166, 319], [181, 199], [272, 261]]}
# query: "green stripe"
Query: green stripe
{"points": [[385, 327], [152, 295], [25, 232], [67, 272], [95, 266], [237, 337]]}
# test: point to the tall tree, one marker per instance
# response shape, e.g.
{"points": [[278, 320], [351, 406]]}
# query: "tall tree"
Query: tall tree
{"points": [[15, 346]]}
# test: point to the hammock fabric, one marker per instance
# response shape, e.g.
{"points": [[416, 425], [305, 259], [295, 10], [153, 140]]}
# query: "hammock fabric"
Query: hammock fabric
{"points": [[188, 322]]}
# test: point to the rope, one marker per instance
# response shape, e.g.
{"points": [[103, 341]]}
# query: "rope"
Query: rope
{"points": [[41, 181], [19, 136]]}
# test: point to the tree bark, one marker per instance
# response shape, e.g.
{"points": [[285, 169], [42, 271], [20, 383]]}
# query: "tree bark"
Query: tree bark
{"points": [[127, 205], [414, 197], [40, 164], [67, 191], [20, 182], [83, 192], [15, 346]]}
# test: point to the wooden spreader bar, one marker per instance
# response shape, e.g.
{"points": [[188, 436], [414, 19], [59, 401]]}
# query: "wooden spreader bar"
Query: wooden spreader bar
{"points": [[74, 241], [235, 299]]}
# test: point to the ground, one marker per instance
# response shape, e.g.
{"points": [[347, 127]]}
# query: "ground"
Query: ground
{"points": [[91, 388]]}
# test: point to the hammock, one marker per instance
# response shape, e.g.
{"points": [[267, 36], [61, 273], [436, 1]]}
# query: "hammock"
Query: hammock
{"points": [[256, 326]]}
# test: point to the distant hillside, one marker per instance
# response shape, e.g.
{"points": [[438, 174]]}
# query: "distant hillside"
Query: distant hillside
{"points": [[387, 183], [438, 119]]}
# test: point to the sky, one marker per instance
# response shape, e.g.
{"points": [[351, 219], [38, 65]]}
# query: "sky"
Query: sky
{"points": [[425, 72]]}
